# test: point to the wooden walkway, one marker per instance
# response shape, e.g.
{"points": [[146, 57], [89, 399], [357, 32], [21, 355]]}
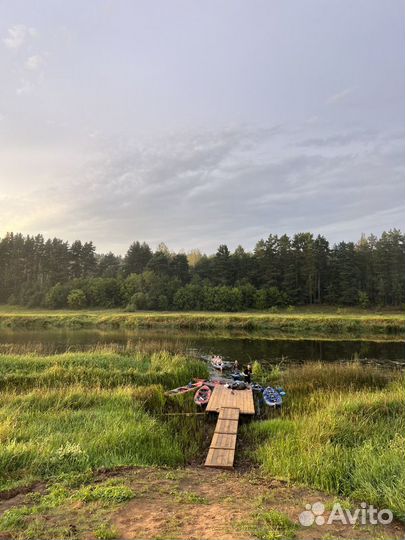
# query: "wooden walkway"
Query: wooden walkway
{"points": [[223, 444], [230, 404]]}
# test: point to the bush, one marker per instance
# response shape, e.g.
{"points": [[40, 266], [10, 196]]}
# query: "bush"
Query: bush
{"points": [[139, 300], [188, 298], [104, 292], [56, 297], [77, 299]]}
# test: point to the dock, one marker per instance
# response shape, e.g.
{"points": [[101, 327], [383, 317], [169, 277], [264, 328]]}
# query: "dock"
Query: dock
{"points": [[229, 404], [231, 399]]}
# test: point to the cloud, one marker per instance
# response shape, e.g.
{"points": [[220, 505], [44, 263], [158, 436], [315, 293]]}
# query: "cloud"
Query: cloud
{"points": [[17, 36], [338, 139], [235, 185], [34, 62], [25, 88], [339, 97]]}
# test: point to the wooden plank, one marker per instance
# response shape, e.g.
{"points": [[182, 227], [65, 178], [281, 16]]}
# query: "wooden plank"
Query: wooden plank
{"points": [[223, 445], [220, 458], [224, 440], [228, 413], [227, 426]]}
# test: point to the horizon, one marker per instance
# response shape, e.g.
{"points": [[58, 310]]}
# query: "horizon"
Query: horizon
{"points": [[186, 122]]}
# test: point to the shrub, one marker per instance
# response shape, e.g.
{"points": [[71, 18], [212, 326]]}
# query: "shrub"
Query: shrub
{"points": [[77, 299], [56, 297]]}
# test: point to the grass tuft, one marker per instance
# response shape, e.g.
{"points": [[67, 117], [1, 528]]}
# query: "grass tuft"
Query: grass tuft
{"points": [[106, 532], [273, 525]]}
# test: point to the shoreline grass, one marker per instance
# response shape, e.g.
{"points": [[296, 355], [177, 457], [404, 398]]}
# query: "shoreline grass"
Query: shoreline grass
{"points": [[341, 430], [321, 323], [75, 412]]}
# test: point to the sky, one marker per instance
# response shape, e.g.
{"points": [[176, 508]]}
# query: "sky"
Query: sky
{"points": [[201, 122]]}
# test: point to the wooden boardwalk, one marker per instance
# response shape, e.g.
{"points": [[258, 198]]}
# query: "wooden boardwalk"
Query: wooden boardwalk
{"points": [[223, 444], [230, 404]]}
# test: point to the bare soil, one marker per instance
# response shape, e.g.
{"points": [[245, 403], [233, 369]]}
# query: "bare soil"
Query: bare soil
{"points": [[195, 503]]}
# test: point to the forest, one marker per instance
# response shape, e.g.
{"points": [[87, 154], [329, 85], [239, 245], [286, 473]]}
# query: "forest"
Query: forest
{"points": [[281, 271]]}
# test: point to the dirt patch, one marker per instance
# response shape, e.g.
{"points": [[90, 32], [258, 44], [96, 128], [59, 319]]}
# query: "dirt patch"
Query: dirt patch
{"points": [[205, 504], [194, 504], [16, 497]]}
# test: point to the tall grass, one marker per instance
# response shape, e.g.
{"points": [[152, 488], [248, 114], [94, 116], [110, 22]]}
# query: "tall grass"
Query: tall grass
{"points": [[103, 369], [74, 412], [130, 346], [342, 430], [321, 323]]}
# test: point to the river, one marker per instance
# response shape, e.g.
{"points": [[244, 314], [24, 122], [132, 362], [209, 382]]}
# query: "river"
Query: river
{"points": [[242, 346]]}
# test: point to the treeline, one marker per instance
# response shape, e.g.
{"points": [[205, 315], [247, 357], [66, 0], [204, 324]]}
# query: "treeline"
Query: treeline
{"points": [[281, 271]]}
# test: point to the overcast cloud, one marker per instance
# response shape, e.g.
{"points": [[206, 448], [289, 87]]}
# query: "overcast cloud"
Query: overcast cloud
{"points": [[201, 122]]}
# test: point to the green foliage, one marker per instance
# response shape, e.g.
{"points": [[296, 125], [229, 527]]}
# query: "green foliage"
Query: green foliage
{"points": [[137, 257], [296, 323], [28, 521], [258, 372], [363, 300], [57, 295], [104, 292], [281, 271], [76, 299]]}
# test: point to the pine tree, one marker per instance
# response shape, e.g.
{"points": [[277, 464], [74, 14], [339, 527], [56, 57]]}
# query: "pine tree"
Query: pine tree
{"points": [[136, 258]]}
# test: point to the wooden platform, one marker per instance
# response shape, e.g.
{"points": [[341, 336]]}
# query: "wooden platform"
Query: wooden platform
{"points": [[223, 445], [234, 399]]}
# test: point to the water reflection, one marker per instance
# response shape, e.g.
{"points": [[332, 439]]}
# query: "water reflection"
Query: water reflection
{"points": [[243, 346]]}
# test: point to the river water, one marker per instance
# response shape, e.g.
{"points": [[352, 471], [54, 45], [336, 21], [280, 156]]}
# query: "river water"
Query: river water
{"points": [[242, 346]]}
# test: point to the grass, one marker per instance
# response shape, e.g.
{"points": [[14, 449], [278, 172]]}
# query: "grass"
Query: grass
{"points": [[63, 416], [102, 369], [349, 322], [70, 413], [188, 497], [106, 532], [268, 523], [341, 430], [273, 525], [27, 521], [108, 493]]}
